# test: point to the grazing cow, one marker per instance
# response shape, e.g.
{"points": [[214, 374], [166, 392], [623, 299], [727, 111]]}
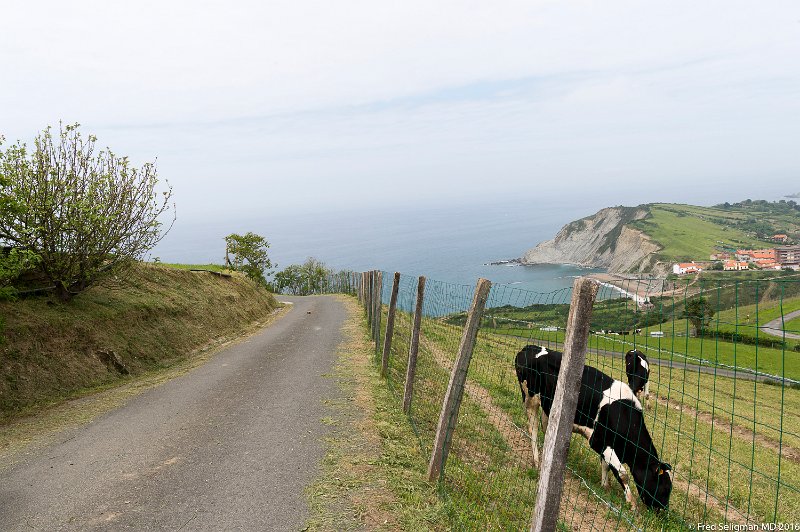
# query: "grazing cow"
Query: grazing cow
{"points": [[638, 371], [608, 414]]}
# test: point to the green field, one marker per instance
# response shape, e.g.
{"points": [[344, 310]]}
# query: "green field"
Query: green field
{"points": [[677, 344], [720, 434], [748, 318], [686, 232]]}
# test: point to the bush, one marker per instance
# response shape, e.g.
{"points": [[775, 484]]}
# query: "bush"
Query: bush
{"points": [[85, 214]]}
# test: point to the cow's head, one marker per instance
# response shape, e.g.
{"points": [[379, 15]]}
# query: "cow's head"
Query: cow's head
{"points": [[524, 365], [656, 485], [630, 356]]}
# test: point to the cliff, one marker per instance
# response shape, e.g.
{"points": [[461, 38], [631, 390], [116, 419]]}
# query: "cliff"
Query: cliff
{"points": [[603, 240]]}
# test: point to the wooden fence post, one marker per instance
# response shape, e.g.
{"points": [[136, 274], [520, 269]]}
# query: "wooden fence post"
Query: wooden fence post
{"points": [[376, 312], [562, 413], [411, 370], [387, 343], [458, 376], [366, 292], [370, 289]]}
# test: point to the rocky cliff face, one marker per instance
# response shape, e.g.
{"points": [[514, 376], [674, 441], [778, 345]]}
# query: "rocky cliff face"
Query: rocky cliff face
{"points": [[601, 241]]}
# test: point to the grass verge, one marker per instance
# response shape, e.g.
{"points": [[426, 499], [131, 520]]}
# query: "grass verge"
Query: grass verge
{"points": [[153, 318], [33, 432], [374, 475]]}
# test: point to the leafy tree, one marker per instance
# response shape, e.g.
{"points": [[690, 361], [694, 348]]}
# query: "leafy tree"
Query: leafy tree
{"points": [[85, 214], [12, 261], [12, 264], [315, 274], [303, 279], [290, 279], [248, 253], [699, 312]]}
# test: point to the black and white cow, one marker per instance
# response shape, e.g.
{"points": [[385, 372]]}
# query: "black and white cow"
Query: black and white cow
{"points": [[638, 371], [608, 414]]}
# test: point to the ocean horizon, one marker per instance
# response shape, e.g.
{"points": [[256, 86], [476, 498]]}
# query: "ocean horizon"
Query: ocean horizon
{"points": [[455, 245]]}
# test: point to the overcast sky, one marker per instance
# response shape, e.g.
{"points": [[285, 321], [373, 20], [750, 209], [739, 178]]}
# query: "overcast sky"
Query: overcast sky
{"points": [[283, 105]]}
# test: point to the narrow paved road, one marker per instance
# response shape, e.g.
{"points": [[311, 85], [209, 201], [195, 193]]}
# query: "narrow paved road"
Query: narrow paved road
{"points": [[228, 446], [775, 327]]}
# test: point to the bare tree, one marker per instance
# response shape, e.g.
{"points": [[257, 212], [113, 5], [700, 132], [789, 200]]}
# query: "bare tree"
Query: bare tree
{"points": [[84, 213]]}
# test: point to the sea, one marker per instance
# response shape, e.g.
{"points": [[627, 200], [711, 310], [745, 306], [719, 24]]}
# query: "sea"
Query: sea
{"points": [[452, 244]]}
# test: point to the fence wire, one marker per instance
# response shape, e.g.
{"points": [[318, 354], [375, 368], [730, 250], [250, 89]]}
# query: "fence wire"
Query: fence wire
{"points": [[724, 406]]}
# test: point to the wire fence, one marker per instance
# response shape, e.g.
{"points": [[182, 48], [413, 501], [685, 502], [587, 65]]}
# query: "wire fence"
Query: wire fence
{"points": [[723, 408]]}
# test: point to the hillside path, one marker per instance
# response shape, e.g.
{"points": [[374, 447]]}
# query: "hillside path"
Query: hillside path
{"points": [[228, 446], [775, 327]]}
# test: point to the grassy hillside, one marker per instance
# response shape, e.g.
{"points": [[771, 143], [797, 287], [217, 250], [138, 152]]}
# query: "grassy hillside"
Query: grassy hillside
{"points": [[154, 317], [688, 232]]}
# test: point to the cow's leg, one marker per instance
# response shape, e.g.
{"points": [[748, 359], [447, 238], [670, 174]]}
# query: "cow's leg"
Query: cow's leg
{"points": [[532, 404], [621, 474], [603, 473], [647, 394], [586, 432]]}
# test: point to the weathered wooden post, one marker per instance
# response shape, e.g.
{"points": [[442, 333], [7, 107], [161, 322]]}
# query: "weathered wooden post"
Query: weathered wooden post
{"points": [[458, 376], [562, 414], [411, 370], [376, 312], [370, 294], [387, 342]]}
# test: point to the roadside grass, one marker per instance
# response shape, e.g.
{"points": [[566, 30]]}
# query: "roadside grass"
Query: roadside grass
{"points": [[153, 318], [21, 435], [373, 475]]}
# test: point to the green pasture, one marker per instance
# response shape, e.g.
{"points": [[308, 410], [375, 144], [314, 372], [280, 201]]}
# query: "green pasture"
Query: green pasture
{"points": [[700, 351], [746, 319], [792, 325], [721, 435], [686, 236]]}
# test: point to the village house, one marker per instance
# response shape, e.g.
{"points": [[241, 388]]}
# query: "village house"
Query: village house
{"points": [[683, 268], [780, 238], [735, 265], [753, 255], [767, 264]]}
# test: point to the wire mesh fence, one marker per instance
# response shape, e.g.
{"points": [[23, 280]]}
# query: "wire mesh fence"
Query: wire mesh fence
{"points": [[723, 407]]}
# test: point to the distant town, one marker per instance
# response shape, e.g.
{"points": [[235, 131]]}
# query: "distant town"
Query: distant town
{"points": [[785, 257]]}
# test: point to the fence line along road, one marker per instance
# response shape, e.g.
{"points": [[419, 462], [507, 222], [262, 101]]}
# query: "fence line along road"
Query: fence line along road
{"points": [[731, 431]]}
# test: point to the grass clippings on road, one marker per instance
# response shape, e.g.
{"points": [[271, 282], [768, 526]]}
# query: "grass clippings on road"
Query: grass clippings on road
{"points": [[373, 475]]}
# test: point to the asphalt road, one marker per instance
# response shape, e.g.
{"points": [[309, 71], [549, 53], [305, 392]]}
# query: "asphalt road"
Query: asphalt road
{"points": [[775, 327], [228, 446]]}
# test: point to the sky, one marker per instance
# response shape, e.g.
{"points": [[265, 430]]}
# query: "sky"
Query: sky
{"points": [[297, 106]]}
